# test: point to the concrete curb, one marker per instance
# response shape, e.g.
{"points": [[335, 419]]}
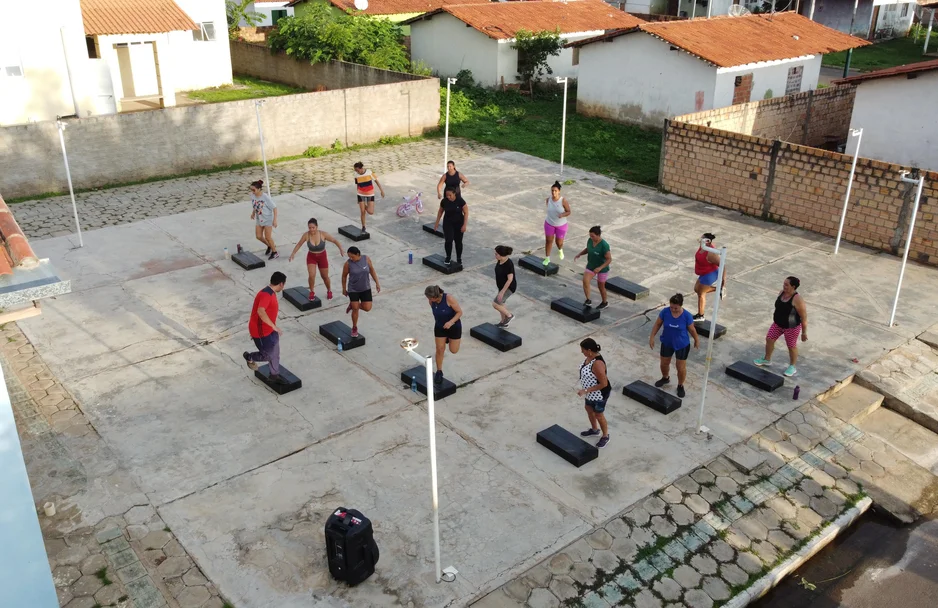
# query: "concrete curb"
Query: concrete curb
{"points": [[767, 582]]}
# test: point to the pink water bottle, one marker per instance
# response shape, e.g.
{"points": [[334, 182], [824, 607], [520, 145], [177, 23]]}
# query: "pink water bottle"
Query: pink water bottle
{"points": [[796, 393]]}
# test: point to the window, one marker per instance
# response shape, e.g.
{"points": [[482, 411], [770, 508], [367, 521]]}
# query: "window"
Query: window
{"points": [[277, 15], [905, 10], [205, 33], [576, 55], [793, 84], [10, 64]]}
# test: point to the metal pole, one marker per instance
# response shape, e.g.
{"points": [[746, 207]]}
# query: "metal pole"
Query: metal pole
{"points": [[693, 11], [68, 175], [563, 128], [68, 71], [713, 329], [931, 21], [858, 133], [449, 81], [811, 11], [908, 242], [709, 8], [260, 133]]}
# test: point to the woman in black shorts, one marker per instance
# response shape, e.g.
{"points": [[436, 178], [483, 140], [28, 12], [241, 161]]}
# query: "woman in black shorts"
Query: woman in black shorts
{"points": [[447, 327], [679, 328], [451, 179], [506, 282], [356, 284]]}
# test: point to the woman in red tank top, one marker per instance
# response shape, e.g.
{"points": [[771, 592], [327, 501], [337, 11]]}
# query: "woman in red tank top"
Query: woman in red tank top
{"points": [[707, 269]]}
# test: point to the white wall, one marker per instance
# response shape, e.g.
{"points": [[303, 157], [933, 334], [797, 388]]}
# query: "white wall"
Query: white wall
{"points": [[895, 130], [446, 45], [264, 9], [142, 64], [766, 76], [891, 22], [720, 7], [562, 64], [198, 64], [636, 78]]}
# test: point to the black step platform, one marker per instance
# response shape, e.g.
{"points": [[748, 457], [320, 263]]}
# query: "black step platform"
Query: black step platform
{"points": [[299, 297], [429, 228], [437, 262], [354, 232], [703, 328], [420, 374], [575, 310], [502, 339], [536, 265], [632, 291], [756, 376], [653, 397], [568, 446], [248, 260], [293, 383], [337, 329]]}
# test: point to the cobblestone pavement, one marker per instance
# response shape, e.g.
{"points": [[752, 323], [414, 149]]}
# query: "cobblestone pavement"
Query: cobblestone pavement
{"points": [[125, 204], [702, 540], [122, 555], [908, 377]]}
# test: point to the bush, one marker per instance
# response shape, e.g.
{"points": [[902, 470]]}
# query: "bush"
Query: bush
{"points": [[315, 152]]}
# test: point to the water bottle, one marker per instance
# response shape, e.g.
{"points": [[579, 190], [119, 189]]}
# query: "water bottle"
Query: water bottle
{"points": [[340, 345], [413, 383], [227, 255], [239, 248], [796, 393], [410, 257]]}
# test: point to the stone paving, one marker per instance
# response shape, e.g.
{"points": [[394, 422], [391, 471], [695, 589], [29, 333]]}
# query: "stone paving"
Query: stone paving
{"points": [[125, 204], [703, 539], [130, 560]]}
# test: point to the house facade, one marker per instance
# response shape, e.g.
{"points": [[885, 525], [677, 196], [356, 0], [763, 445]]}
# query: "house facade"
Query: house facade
{"points": [[888, 107], [395, 11], [658, 70], [268, 13]]}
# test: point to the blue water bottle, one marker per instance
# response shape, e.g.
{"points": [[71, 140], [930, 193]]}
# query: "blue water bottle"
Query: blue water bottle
{"points": [[410, 257], [413, 383], [340, 345]]}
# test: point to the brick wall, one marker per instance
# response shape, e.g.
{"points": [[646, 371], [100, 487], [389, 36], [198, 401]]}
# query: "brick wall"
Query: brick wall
{"points": [[800, 186], [127, 147], [818, 118]]}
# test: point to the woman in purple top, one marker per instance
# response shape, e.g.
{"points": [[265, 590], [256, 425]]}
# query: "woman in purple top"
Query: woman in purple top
{"points": [[675, 342]]}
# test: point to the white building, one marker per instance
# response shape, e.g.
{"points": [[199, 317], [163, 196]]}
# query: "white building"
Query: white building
{"points": [[268, 13], [658, 70], [479, 37], [892, 106]]}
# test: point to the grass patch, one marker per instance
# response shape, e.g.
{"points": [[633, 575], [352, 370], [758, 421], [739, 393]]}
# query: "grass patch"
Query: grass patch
{"points": [[102, 576], [243, 87], [880, 55], [509, 120]]}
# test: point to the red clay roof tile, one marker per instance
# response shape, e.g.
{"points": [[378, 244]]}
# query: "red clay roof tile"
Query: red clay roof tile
{"points": [[911, 68], [14, 248], [102, 17]]}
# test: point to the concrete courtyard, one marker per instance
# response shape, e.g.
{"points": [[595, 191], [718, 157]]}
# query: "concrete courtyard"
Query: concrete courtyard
{"points": [[150, 344]]}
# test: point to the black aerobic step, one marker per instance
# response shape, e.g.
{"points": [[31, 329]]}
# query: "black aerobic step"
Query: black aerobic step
{"points": [[568, 446], [653, 397], [632, 291], [248, 260], [354, 232], [536, 265], [437, 262], [336, 330], [756, 376], [419, 374], [291, 385], [299, 297], [502, 339], [575, 310], [703, 328], [429, 228]]}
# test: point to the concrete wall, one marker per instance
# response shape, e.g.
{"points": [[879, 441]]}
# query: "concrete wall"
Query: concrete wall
{"points": [[768, 79], [813, 118], [447, 45], [127, 147], [889, 112], [800, 186], [636, 78], [837, 14], [210, 58], [257, 61], [561, 65], [720, 7]]}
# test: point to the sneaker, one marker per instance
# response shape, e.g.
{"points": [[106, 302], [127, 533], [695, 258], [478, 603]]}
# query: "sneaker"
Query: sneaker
{"points": [[312, 296], [447, 261], [723, 292], [267, 252], [762, 362], [277, 379], [508, 321], [603, 442], [547, 261], [438, 379], [790, 371], [459, 261], [348, 308], [590, 432], [602, 305], [251, 364], [328, 295], [662, 382], [501, 323], [560, 253], [587, 302], [680, 391], [273, 256], [699, 317], [363, 229], [354, 332]]}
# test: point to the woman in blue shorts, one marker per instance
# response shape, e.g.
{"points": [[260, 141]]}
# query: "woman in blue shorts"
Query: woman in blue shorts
{"points": [[677, 324], [595, 389], [707, 269]]}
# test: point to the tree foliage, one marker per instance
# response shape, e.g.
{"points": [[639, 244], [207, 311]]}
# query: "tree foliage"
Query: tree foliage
{"points": [[321, 35], [236, 10], [534, 49]]}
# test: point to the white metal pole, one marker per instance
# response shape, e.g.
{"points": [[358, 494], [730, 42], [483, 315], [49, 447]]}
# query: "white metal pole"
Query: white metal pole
{"points": [[449, 81], [260, 133], [693, 11], [563, 127], [908, 242], [858, 133], [713, 330], [811, 11], [931, 21], [709, 8], [68, 176]]}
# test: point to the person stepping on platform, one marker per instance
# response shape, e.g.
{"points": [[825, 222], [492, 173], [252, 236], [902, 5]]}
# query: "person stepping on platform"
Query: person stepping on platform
{"points": [[598, 261], [506, 282], [356, 284], [455, 215], [263, 329], [316, 257], [790, 320], [447, 327], [677, 324], [595, 388], [555, 224]]}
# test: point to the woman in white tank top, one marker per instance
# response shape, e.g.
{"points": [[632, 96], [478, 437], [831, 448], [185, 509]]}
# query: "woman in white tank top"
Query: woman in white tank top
{"points": [[555, 225]]}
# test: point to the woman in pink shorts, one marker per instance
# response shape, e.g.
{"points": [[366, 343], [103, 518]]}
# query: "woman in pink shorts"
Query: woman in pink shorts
{"points": [[598, 260], [555, 226], [316, 257], [790, 320]]}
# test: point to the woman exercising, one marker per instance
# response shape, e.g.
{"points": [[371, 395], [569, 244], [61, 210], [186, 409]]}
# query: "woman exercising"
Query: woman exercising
{"points": [[790, 319], [506, 281], [264, 214], [447, 327], [555, 225], [316, 257], [677, 324], [451, 179], [595, 388], [455, 214], [707, 269], [356, 284], [598, 260]]}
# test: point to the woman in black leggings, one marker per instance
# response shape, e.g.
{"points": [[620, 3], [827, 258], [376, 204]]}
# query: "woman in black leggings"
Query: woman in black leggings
{"points": [[455, 215]]}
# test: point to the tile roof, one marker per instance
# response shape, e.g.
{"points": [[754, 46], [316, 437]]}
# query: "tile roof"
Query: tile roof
{"points": [[731, 41], [911, 68], [395, 7], [502, 20], [14, 248], [103, 17]]}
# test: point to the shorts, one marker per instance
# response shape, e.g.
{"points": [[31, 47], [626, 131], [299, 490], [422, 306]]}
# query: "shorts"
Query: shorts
{"points": [[504, 297], [453, 333], [264, 222], [366, 199], [318, 259], [710, 278], [360, 296], [791, 334], [597, 406], [558, 232], [600, 276], [667, 352]]}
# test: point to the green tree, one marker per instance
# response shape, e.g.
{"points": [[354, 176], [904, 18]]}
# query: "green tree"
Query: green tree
{"points": [[237, 10], [534, 49]]}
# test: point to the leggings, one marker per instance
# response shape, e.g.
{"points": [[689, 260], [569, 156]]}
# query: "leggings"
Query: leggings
{"points": [[453, 234]]}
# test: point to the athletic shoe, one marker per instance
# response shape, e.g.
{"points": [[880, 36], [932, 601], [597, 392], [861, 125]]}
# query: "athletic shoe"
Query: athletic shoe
{"points": [[603, 442], [447, 261], [501, 323], [699, 317], [723, 292], [590, 432], [790, 371], [354, 332], [560, 253], [267, 252], [273, 256], [546, 261], [680, 391], [312, 296], [328, 295], [348, 308], [458, 261], [588, 302], [438, 379], [602, 305], [662, 382], [762, 362], [363, 228], [508, 321], [251, 364]]}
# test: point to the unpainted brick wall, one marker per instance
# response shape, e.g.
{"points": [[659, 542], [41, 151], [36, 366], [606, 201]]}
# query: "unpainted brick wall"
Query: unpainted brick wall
{"points": [[800, 186], [813, 118]]}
